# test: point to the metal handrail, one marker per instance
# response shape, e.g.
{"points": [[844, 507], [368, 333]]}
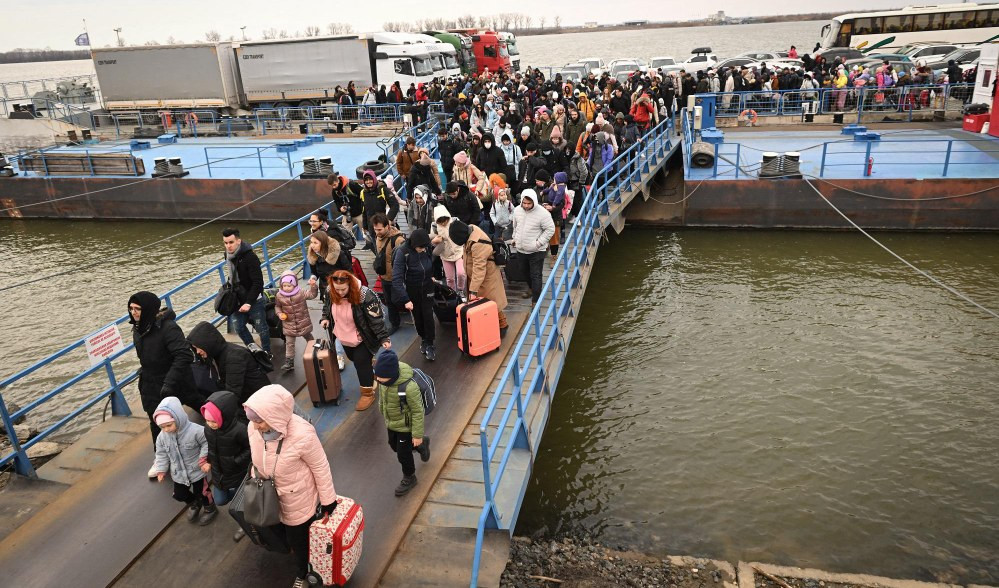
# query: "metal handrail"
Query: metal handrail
{"points": [[554, 302]]}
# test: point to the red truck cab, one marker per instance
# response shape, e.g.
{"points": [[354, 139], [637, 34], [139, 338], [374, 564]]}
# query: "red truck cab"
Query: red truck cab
{"points": [[490, 51]]}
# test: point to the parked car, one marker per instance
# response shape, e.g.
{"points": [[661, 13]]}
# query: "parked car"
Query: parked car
{"points": [[661, 62], [927, 53], [596, 65], [844, 53], [737, 62], [619, 66], [876, 60], [701, 58], [961, 56], [574, 72]]}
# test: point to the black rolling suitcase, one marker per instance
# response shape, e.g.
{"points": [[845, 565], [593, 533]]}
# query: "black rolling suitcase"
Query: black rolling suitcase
{"points": [[270, 538], [446, 302]]}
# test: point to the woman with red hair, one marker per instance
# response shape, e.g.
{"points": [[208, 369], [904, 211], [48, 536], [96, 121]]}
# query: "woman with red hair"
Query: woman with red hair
{"points": [[354, 315]]}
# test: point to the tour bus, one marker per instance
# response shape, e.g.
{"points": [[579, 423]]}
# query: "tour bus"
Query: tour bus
{"points": [[959, 24]]}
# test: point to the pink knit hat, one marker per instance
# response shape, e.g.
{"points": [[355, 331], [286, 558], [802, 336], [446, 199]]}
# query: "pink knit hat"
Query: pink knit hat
{"points": [[162, 417], [461, 158], [556, 132], [212, 412]]}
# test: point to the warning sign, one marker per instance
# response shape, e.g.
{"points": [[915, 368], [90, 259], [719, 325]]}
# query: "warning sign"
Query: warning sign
{"points": [[103, 344]]}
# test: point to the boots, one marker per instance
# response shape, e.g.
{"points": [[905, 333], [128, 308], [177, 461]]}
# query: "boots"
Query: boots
{"points": [[367, 397], [405, 485], [208, 515], [193, 508]]}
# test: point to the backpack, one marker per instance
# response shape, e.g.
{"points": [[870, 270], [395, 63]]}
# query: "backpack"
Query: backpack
{"points": [[381, 263], [343, 235], [428, 393], [501, 251]]}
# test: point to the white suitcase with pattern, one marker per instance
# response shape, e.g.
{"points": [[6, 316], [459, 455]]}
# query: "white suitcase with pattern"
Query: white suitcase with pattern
{"points": [[335, 543]]}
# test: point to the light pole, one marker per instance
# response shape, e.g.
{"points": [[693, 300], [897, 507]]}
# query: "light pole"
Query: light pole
{"points": [[243, 30], [117, 33]]}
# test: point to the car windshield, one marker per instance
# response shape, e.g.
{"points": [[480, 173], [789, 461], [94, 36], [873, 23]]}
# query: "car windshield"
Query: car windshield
{"points": [[661, 62], [512, 48], [437, 62], [591, 64], [423, 67], [450, 62]]}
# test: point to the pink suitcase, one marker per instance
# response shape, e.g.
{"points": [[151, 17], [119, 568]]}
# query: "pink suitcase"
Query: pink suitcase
{"points": [[335, 543], [478, 327]]}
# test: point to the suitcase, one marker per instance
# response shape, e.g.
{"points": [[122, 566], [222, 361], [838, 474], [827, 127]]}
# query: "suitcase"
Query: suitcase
{"points": [[335, 543], [322, 374], [446, 302], [478, 327], [518, 268], [270, 538]]}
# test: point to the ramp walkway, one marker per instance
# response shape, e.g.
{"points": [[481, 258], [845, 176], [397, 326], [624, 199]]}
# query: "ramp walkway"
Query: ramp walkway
{"points": [[93, 519]]}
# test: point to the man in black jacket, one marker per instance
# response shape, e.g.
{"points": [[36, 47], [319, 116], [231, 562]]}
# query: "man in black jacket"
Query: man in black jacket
{"points": [[461, 203], [413, 287], [164, 357], [244, 271], [490, 159], [238, 370]]}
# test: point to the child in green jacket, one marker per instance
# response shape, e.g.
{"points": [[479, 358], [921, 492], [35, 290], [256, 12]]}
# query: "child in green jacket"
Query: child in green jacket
{"points": [[403, 418]]}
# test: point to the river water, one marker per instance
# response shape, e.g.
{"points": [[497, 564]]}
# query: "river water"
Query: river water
{"points": [[790, 397]]}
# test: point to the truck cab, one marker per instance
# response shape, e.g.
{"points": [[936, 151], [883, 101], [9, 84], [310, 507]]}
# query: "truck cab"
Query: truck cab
{"points": [[462, 44], [490, 52], [511, 46], [407, 64], [444, 54]]}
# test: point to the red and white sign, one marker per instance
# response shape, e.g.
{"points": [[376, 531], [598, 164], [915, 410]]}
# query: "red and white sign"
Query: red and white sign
{"points": [[104, 344]]}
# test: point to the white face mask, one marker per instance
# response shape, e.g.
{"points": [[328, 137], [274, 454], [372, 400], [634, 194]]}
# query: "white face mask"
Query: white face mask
{"points": [[487, 144]]}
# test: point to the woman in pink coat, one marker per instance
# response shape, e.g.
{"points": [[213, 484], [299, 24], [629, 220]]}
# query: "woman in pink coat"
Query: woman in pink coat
{"points": [[301, 472]]}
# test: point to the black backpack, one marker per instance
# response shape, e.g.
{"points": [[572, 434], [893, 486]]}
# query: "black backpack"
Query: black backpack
{"points": [[344, 236], [501, 251]]}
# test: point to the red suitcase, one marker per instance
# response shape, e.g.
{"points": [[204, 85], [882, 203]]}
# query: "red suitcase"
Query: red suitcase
{"points": [[478, 327], [322, 374], [335, 543]]}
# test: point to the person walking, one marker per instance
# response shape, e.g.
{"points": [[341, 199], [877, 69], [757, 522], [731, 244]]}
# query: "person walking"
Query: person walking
{"points": [[413, 287], [403, 414], [484, 278], [291, 304], [353, 314], [245, 273], [451, 254], [183, 452], [228, 447], [533, 228], [165, 358], [285, 448], [387, 238], [238, 371]]}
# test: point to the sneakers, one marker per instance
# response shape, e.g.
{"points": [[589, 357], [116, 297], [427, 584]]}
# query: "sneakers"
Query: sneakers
{"points": [[238, 535], [423, 348], [424, 450], [193, 509], [208, 515], [289, 365], [341, 361], [405, 485], [152, 472], [431, 353], [300, 583], [527, 294]]}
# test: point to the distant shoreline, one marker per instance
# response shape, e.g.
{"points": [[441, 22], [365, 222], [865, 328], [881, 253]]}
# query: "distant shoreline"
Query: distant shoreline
{"points": [[18, 55]]}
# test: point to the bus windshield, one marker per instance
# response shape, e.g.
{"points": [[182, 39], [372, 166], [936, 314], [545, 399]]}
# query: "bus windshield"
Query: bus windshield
{"points": [[830, 32]]}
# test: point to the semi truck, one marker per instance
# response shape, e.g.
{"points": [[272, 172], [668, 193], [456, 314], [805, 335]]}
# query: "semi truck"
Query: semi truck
{"points": [[490, 51], [511, 47], [462, 44], [445, 54], [234, 75]]}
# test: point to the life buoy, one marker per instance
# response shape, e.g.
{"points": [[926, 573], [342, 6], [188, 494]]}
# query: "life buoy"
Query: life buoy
{"points": [[750, 115], [191, 118]]}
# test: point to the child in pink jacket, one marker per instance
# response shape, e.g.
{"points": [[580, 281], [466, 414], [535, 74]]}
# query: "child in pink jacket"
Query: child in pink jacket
{"points": [[301, 472], [293, 311]]}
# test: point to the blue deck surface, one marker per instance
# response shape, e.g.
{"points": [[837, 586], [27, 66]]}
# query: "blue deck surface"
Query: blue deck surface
{"points": [[241, 158], [901, 153]]}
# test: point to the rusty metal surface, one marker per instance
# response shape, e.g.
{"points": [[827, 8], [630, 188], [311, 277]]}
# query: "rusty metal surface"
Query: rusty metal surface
{"points": [[793, 204], [160, 199]]}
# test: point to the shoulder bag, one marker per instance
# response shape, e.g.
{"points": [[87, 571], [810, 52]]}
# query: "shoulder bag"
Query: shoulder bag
{"points": [[260, 496], [226, 301]]}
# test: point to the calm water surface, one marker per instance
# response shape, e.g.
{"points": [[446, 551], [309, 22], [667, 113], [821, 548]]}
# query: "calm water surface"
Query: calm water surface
{"points": [[799, 398]]}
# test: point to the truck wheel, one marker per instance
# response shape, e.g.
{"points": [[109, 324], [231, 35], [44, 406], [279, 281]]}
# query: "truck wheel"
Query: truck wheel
{"points": [[376, 166]]}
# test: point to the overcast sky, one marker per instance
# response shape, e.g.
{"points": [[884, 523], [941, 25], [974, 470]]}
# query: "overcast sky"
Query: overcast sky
{"points": [[56, 23]]}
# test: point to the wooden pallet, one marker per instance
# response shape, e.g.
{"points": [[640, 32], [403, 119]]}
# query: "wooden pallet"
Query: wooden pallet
{"points": [[77, 164]]}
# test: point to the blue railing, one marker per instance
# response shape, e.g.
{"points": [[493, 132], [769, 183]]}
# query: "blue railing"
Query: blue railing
{"points": [[905, 99], [609, 184], [289, 242], [333, 116]]}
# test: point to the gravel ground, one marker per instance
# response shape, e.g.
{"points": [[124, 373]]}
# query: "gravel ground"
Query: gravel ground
{"points": [[572, 563]]}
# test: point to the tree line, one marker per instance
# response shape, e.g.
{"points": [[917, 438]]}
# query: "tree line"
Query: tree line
{"points": [[29, 55], [507, 21]]}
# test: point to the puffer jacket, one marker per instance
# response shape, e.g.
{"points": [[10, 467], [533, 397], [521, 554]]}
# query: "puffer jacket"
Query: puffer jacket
{"points": [[164, 356], [447, 249], [368, 318], [180, 453], [229, 446], [532, 229], [298, 322], [330, 262], [302, 472], [240, 373], [398, 419], [411, 269]]}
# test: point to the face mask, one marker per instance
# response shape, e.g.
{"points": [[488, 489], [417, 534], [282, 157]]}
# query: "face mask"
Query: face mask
{"points": [[487, 144]]}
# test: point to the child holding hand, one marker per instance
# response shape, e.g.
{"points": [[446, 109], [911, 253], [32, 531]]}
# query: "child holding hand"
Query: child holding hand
{"points": [[183, 452], [293, 311]]}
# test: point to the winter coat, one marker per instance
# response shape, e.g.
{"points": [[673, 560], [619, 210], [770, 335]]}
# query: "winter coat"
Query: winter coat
{"points": [[379, 199], [501, 213], [512, 154], [239, 371], [573, 130], [228, 446], [579, 171], [530, 168], [411, 269], [555, 196], [180, 453], [368, 319], [405, 160], [601, 155], [532, 229], [447, 249], [392, 238], [492, 160], [465, 207], [555, 159], [469, 174], [250, 279], [301, 473], [483, 277], [298, 323], [323, 268], [543, 129], [426, 175], [419, 216], [446, 150], [164, 355], [399, 419]]}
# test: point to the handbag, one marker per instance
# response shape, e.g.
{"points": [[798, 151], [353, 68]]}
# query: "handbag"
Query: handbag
{"points": [[227, 301], [260, 496]]}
